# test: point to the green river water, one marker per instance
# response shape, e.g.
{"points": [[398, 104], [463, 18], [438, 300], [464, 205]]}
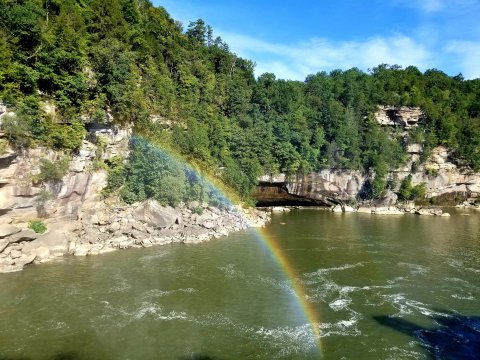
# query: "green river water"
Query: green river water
{"points": [[393, 287]]}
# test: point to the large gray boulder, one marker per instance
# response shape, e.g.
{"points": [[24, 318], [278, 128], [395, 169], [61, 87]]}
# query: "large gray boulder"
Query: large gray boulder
{"points": [[56, 241], [388, 198], [24, 235], [156, 215], [24, 259], [7, 230]]}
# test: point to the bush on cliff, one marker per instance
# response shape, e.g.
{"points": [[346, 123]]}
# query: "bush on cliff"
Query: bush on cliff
{"points": [[409, 192], [38, 226], [53, 172]]}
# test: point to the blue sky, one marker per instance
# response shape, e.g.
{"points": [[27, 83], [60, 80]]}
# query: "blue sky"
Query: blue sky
{"points": [[295, 38]]}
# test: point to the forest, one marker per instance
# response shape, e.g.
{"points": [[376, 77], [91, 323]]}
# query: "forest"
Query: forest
{"points": [[184, 90]]}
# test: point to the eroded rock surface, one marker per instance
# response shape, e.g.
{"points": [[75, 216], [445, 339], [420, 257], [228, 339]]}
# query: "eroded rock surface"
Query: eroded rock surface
{"points": [[442, 177]]}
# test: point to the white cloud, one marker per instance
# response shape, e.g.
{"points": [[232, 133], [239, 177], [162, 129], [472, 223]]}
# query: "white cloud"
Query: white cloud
{"points": [[467, 53], [435, 6], [299, 60]]}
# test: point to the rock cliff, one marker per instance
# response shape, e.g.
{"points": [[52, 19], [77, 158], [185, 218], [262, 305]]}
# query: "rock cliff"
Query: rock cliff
{"points": [[80, 221], [446, 181], [443, 178], [406, 117]]}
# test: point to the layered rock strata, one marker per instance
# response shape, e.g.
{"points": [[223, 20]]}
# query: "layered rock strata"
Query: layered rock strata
{"points": [[81, 222]]}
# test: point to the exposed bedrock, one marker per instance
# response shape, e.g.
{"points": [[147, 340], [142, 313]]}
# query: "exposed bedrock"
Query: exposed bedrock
{"points": [[446, 182]]}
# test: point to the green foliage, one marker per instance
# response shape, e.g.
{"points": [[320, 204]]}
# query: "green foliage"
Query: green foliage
{"points": [[44, 196], [116, 175], [38, 226], [431, 172], [409, 192], [130, 60], [197, 210], [16, 130], [379, 182], [419, 191], [53, 172], [68, 137], [151, 172], [405, 190], [3, 146]]}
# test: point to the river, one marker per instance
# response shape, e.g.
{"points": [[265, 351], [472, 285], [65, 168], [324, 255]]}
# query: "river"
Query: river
{"points": [[393, 287]]}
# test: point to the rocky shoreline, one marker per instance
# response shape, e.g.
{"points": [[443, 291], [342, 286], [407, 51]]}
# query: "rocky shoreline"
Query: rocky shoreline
{"points": [[393, 210], [81, 221], [121, 227]]}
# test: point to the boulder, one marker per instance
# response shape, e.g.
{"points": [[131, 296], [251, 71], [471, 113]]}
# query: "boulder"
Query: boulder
{"points": [[95, 249], [56, 241], [347, 208], [196, 235], [208, 224], [146, 243], [24, 235], [388, 198], [8, 230], [42, 254], [81, 250], [364, 210], [156, 215], [25, 260], [431, 211], [106, 249], [392, 210], [115, 226], [3, 244], [14, 254]]}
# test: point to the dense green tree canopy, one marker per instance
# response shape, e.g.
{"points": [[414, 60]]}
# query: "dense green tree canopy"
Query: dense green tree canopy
{"points": [[132, 61]]}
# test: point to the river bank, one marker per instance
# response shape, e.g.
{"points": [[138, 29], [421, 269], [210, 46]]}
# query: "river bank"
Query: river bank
{"points": [[121, 227]]}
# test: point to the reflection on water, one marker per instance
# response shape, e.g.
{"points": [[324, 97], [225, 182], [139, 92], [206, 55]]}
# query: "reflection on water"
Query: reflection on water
{"points": [[377, 282]]}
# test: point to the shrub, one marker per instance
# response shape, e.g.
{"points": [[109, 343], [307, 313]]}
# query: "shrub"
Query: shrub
{"points": [[17, 131], [67, 137], [419, 191], [38, 226], [405, 190], [409, 192], [197, 210], [116, 176], [3, 146], [53, 171], [431, 172]]}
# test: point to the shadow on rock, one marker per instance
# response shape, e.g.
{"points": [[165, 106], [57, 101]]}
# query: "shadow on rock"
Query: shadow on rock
{"points": [[456, 337]]}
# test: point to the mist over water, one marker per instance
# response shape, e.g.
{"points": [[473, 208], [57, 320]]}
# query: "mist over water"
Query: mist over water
{"points": [[391, 287]]}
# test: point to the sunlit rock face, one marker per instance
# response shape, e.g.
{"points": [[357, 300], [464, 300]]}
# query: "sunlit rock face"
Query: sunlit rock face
{"points": [[404, 116], [442, 176], [326, 187]]}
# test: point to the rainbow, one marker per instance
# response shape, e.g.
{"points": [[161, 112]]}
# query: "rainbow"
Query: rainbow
{"points": [[274, 248], [310, 313]]}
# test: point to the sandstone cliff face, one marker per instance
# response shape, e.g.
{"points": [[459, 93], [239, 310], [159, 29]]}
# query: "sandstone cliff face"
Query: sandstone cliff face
{"points": [[20, 198], [81, 222], [328, 187], [60, 204], [404, 116]]}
